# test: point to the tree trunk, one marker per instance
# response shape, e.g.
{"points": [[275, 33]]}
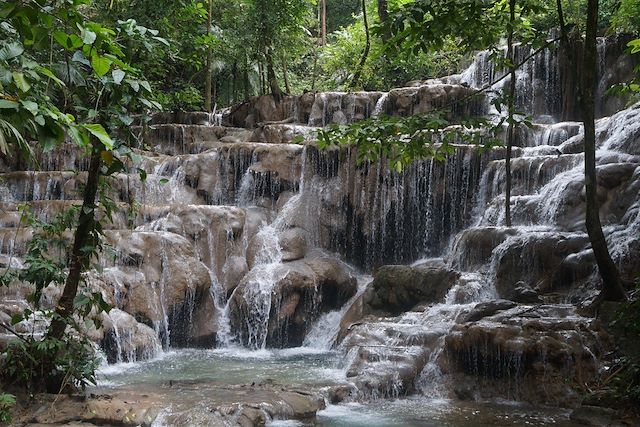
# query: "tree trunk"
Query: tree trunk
{"points": [[209, 66], [367, 46], [247, 84], [612, 289], [80, 258], [271, 76], [510, 106], [383, 14], [383, 10], [285, 73], [323, 21]]}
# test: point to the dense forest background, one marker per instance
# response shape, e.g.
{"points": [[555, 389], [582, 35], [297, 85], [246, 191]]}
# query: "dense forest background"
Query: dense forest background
{"points": [[245, 36]]}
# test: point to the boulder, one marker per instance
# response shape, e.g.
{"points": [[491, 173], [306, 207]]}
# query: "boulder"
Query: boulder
{"points": [[277, 303], [126, 340], [398, 288], [233, 271], [534, 354], [294, 243]]}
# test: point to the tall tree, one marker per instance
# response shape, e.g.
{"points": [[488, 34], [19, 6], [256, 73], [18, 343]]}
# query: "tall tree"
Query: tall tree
{"points": [[209, 65], [510, 106], [612, 289], [323, 21]]}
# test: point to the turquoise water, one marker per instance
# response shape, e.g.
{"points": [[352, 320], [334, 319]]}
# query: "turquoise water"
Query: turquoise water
{"points": [[200, 370]]}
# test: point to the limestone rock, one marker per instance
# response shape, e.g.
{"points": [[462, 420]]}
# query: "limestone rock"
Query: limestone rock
{"points": [[296, 292], [398, 288], [294, 243], [485, 309], [126, 340]]}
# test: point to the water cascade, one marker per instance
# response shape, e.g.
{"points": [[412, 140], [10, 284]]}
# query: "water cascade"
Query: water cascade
{"points": [[258, 250]]}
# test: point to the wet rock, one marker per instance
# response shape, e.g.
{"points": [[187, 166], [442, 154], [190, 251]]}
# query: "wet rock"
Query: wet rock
{"points": [[537, 260], [294, 243], [277, 303], [303, 406], [532, 354], [485, 309], [473, 247], [398, 288], [233, 271], [523, 293], [340, 394], [126, 340], [595, 416], [251, 417]]}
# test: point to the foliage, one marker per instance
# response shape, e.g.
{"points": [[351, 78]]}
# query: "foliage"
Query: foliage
{"points": [[7, 401], [626, 16], [632, 88], [627, 380], [74, 361], [87, 93], [401, 140], [383, 69]]}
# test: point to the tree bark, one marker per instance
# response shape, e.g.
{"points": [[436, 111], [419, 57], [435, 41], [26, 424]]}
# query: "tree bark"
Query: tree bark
{"points": [[612, 289], [383, 14], [285, 73], [367, 46], [209, 65], [383, 10], [271, 76], [247, 84], [323, 21], [510, 106], [261, 73], [80, 258]]}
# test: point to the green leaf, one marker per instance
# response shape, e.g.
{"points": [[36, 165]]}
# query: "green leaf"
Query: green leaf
{"points": [[145, 84], [99, 132], [19, 80], [88, 36], [5, 104], [297, 139], [135, 85], [78, 136], [11, 51], [48, 73], [31, 106], [100, 64], [16, 318], [117, 75]]}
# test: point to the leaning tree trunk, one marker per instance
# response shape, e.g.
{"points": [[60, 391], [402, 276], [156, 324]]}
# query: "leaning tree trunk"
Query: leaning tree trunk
{"points": [[80, 257], [367, 46], [612, 289], [510, 106]]}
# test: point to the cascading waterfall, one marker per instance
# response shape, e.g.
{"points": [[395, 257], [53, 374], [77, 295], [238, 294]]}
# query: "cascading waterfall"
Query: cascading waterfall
{"points": [[268, 253]]}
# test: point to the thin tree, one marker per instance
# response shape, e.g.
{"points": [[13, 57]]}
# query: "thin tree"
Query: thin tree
{"points": [[323, 21], [612, 289], [367, 46], [209, 66], [510, 106]]}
